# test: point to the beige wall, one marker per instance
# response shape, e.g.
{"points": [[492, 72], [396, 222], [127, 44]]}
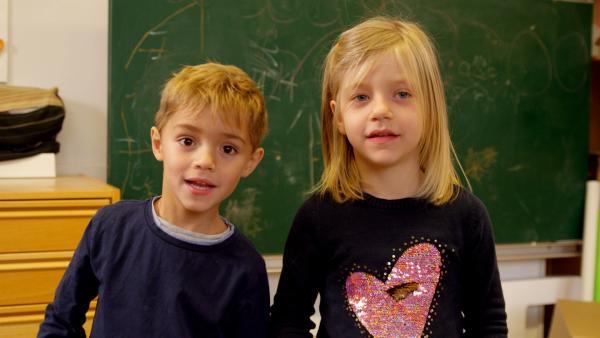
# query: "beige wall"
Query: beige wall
{"points": [[64, 44]]}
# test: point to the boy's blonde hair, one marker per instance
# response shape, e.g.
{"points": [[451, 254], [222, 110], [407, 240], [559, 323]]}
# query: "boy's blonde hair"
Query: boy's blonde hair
{"points": [[227, 91], [353, 53]]}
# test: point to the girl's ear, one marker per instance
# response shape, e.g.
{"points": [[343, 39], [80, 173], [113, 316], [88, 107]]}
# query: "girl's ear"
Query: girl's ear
{"points": [[337, 116], [156, 143]]}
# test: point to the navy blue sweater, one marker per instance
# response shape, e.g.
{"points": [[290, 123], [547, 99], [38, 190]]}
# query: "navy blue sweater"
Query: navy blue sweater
{"points": [[150, 284], [390, 268]]}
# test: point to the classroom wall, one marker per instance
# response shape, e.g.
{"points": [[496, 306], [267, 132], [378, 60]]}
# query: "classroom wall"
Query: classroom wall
{"points": [[64, 44]]}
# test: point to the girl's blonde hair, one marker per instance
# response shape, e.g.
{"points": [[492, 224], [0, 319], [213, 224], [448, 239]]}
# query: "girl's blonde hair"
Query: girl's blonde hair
{"points": [[353, 53], [226, 90]]}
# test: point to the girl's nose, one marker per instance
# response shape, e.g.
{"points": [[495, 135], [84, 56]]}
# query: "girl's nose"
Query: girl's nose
{"points": [[381, 109], [204, 159]]}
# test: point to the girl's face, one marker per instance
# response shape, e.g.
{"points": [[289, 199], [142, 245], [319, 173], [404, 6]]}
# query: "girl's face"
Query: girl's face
{"points": [[380, 117]]}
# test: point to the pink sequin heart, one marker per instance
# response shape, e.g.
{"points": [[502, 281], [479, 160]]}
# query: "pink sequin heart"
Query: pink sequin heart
{"points": [[398, 307]]}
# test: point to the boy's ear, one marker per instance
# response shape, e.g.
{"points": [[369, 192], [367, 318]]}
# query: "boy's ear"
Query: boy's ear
{"points": [[339, 121], [156, 143], [253, 162]]}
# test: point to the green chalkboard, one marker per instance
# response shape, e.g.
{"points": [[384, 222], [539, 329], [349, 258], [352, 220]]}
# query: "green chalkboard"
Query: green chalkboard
{"points": [[516, 76]]}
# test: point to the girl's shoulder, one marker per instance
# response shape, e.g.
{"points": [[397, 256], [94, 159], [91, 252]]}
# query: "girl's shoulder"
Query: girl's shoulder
{"points": [[466, 202], [320, 208], [316, 202]]}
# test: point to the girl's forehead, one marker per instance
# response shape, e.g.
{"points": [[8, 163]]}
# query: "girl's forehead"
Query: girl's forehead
{"points": [[354, 75]]}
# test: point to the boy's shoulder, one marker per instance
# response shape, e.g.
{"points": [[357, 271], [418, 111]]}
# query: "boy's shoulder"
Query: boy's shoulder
{"points": [[245, 250], [120, 216], [122, 208]]}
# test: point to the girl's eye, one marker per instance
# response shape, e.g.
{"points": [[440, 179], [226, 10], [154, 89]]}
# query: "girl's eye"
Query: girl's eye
{"points": [[403, 94], [186, 141], [361, 97], [229, 149]]}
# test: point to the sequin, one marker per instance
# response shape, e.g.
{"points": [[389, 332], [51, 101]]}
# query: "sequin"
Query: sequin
{"points": [[379, 312]]}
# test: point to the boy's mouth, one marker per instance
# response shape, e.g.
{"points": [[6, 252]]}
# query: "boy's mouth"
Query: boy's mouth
{"points": [[200, 184]]}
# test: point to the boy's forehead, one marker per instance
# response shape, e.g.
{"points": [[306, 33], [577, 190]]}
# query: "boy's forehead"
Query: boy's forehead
{"points": [[209, 119]]}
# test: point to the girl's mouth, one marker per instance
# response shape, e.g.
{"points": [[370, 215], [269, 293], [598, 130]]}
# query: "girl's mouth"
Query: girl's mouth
{"points": [[381, 136]]}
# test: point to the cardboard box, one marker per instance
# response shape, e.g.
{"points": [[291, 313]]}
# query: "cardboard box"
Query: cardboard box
{"points": [[40, 165], [575, 319]]}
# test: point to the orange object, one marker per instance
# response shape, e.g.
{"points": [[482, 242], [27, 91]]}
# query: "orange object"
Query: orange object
{"points": [[1, 45]]}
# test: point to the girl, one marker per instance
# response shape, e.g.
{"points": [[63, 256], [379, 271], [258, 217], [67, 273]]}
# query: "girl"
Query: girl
{"points": [[389, 240]]}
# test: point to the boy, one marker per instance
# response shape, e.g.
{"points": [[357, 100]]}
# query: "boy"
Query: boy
{"points": [[171, 266]]}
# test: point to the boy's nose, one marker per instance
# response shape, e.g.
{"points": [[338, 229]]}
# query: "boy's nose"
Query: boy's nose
{"points": [[204, 160]]}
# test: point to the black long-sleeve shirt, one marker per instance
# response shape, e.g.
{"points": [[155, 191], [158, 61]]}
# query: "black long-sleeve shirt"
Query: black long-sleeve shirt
{"points": [[150, 284], [390, 268]]}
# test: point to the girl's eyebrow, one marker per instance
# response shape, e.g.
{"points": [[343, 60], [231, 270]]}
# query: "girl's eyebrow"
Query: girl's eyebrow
{"points": [[401, 82]]}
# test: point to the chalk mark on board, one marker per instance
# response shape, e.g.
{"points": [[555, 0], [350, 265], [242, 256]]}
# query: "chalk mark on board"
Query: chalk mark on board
{"points": [[378, 9], [159, 51], [156, 30], [522, 66], [245, 213], [478, 162], [266, 67], [202, 27], [255, 15], [296, 118], [479, 69], [285, 8], [128, 141], [315, 11], [310, 51], [582, 51]]}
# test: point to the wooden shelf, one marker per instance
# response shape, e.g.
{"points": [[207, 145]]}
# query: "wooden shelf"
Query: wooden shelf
{"points": [[41, 222]]}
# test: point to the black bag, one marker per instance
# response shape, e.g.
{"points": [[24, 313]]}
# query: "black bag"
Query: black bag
{"points": [[26, 129]]}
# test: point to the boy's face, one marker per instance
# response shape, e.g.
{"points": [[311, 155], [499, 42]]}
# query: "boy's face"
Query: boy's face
{"points": [[203, 160]]}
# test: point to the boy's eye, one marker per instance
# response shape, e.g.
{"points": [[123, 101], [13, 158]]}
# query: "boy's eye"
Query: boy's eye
{"points": [[229, 149], [186, 141]]}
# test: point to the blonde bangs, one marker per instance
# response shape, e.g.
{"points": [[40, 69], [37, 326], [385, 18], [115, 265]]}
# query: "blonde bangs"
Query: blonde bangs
{"points": [[225, 92], [419, 58]]}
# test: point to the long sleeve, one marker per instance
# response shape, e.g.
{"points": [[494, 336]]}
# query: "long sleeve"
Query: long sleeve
{"points": [[253, 310], [353, 254], [485, 314], [298, 285], [65, 316]]}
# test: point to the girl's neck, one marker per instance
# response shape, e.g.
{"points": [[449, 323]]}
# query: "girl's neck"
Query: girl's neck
{"points": [[393, 183]]}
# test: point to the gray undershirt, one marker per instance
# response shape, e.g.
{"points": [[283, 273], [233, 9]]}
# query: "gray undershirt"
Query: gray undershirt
{"points": [[190, 236]]}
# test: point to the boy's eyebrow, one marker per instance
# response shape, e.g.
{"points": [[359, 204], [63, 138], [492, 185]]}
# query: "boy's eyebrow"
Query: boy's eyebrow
{"points": [[194, 128], [235, 136]]}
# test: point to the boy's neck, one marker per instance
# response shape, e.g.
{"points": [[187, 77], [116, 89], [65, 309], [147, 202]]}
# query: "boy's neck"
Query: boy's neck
{"points": [[203, 223]]}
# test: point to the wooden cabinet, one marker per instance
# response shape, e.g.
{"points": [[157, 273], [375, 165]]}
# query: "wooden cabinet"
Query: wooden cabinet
{"points": [[41, 223]]}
